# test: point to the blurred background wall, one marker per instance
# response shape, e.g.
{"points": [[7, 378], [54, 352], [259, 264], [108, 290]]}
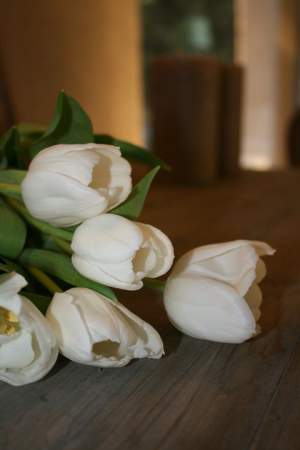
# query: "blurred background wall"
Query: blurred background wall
{"points": [[99, 51], [267, 44], [90, 48]]}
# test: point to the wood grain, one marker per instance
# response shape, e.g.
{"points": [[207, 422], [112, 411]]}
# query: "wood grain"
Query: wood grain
{"points": [[201, 395]]}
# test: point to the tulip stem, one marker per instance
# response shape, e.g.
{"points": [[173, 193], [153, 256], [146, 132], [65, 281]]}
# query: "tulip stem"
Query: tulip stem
{"points": [[63, 245], [155, 285], [10, 190], [39, 224], [46, 281]]}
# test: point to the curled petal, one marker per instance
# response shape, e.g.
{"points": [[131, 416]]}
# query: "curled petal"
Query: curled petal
{"points": [[156, 254], [112, 175], [232, 262], [10, 285], [261, 270], [254, 300]]}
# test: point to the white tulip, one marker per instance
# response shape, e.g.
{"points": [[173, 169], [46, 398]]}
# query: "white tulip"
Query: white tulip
{"points": [[117, 252], [28, 348], [66, 184], [212, 292], [93, 330]]}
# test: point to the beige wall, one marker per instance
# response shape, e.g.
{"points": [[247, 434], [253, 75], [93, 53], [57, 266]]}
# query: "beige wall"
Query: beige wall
{"points": [[267, 44], [90, 48]]}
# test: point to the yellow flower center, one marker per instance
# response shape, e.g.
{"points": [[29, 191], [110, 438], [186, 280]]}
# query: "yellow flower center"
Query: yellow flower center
{"points": [[9, 323]]}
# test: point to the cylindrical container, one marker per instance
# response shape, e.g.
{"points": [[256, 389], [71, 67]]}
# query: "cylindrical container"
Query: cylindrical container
{"points": [[184, 101], [231, 118]]}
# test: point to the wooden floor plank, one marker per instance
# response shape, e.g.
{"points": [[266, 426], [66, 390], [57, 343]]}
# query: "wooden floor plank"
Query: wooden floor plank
{"points": [[201, 395]]}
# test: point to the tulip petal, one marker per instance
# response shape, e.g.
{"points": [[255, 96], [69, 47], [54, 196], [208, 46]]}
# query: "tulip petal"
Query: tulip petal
{"points": [[107, 238], [31, 355], [116, 334], [118, 275], [232, 262], [10, 285], [117, 252], [254, 300], [59, 200], [235, 267], [67, 183], [73, 161], [208, 309], [261, 270], [74, 329], [160, 255], [149, 343], [205, 252], [100, 323], [262, 248], [17, 353], [112, 175]]}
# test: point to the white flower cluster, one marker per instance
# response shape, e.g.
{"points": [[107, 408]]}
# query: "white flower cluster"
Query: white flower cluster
{"points": [[79, 184], [212, 292]]}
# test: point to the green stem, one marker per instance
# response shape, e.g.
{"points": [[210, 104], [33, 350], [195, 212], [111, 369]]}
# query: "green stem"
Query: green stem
{"points": [[46, 281], [39, 224], [155, 285], [12, 176], [10, 190], [63, 245]]}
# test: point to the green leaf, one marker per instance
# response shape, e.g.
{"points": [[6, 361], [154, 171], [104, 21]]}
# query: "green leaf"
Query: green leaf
{"points": [[40, 225], [133, 206], [29, 133], [10, 148], [11, 190], [60, 266], [12, 232], [132, 152], [70, 125], [31, 129], [12, 176]]}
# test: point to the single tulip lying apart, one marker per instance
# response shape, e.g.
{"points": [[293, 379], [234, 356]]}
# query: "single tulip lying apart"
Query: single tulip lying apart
{"points": [[92, 330], [212, 292], [118, 252], [28, 348], [66, 184]]}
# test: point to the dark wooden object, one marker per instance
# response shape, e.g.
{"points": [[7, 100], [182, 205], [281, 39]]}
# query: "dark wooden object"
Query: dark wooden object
{"points": [[185, 105], [201, 395], [231, 118], [6, 107]]}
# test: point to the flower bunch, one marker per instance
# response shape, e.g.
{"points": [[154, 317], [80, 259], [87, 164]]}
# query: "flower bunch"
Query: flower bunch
{"points": [[69, 233]]}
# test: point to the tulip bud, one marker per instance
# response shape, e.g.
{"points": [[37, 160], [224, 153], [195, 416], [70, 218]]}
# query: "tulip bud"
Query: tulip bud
{"points": [[117, 252], [28, 347], [212, 292], [93, 330], [66, 184]]}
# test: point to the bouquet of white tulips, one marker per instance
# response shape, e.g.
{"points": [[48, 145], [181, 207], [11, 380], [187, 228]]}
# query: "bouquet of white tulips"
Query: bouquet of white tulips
{"points": [[69, 235]]}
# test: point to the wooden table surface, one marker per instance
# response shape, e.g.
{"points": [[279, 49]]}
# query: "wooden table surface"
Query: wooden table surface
{"points": [[201, 395]]}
